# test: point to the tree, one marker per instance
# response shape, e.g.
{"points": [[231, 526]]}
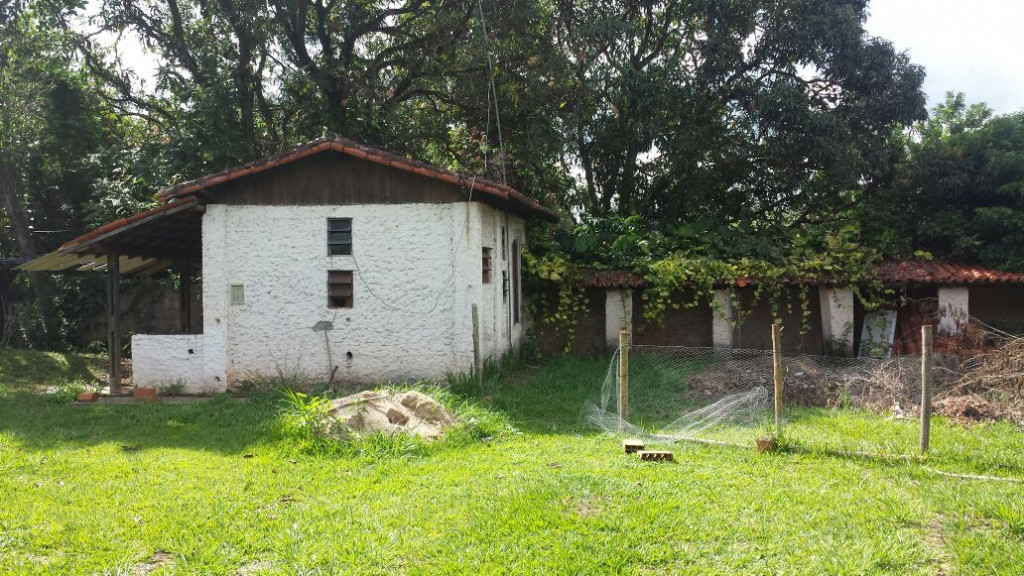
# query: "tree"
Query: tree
{"points": [[740, 115], [961, 192]]}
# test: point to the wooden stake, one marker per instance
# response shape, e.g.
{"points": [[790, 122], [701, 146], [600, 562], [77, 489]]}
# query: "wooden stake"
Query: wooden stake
{"points": [[623, 376], [113, 317], [185, 297], [478, 363], [926, 386], [777, 362]]}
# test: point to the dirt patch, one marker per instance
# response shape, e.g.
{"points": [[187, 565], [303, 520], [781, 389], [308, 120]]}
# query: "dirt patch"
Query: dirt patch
{"points": [[392, 412], [159, 559], [990, 386], [880, 385]]}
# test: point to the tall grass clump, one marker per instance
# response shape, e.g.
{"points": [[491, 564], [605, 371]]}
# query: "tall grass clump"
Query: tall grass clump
{"points": [[307, 421]]}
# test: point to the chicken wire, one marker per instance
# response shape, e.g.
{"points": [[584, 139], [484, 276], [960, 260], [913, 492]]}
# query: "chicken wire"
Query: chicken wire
{"points": [[726, 395]]}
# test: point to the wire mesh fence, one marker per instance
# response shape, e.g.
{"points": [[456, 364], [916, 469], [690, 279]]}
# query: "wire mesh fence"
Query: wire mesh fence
{"points": [[720, 395]]}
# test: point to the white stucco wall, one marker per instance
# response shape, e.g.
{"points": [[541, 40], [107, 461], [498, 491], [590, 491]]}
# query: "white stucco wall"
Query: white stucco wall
{"points": [[416, 274], [722, 315], [618, 315], [167, 360], [837, 309], [498, 330]]}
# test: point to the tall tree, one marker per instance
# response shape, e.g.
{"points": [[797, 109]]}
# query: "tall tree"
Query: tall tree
{"points": [[738, 113], [960, 195]]}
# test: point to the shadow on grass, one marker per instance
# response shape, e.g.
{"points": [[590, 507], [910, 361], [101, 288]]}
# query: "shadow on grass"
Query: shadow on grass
{"points": [[31, 369], [546, 399], [38, 422]]}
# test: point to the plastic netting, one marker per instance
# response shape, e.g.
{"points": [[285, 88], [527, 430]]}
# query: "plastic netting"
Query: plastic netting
{"points": [[727, 395]]}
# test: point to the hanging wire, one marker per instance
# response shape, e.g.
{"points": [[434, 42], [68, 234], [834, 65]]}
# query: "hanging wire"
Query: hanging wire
{"points": [[493, 92]]}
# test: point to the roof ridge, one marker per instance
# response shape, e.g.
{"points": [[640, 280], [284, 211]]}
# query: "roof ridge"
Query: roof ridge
{"points": [[376, 155]]}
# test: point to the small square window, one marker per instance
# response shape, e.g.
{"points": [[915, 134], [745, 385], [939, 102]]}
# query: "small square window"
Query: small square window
{"points": [[238, 294], [339, 236], [339, 289], [487, 266]]}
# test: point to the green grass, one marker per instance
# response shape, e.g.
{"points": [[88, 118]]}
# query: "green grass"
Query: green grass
{"points": [[528, 490]]}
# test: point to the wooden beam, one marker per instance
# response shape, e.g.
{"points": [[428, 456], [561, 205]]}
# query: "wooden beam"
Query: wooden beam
{"points": [[185, 296], [113, 322]]}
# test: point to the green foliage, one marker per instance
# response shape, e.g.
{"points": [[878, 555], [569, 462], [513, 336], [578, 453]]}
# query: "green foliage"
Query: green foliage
{"points": [[681, 269], [960, 194]]}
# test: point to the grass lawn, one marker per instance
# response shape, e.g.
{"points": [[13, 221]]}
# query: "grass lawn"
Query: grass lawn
{"points": [[229, 488]]}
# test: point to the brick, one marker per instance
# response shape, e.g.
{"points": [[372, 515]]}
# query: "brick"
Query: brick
{"points": [[631, 446], [655, 455]]}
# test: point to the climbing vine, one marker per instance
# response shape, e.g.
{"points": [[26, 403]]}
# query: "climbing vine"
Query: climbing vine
{"points": [[681, 278]]}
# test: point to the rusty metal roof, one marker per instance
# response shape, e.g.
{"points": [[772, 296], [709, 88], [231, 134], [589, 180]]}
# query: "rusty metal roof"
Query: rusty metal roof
{"points": [[147, 242], [495, 190], [910, 271]]}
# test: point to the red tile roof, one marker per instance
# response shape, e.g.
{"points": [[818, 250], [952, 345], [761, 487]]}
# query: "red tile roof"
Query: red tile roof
{"points": [[612, 279], [912, 271], [345, 146], [935, 272]]}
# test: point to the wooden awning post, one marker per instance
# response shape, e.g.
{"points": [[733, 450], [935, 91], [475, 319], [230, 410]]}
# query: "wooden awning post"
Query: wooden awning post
{"points": [[185, 296], [113, 322]]}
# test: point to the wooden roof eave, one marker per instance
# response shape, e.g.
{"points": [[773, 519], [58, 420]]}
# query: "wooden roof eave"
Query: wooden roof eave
{"points": [[88, 253]]}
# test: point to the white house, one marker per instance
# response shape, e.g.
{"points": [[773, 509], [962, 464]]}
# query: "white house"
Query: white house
{"points": [[330, 259]]}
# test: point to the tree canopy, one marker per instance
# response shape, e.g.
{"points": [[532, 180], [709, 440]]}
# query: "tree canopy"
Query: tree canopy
{"points": [[714, 130]]}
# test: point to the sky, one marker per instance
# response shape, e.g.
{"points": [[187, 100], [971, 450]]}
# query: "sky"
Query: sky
{"points": [[970, 46]]}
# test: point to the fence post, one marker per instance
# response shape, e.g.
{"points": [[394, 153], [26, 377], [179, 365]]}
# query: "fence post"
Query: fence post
{"points": [[777, 365], [623, 376], [478, 369], [926, 386]]}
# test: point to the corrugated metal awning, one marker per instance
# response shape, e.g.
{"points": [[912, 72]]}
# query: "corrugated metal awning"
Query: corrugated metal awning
{"points": [[145, 243]]}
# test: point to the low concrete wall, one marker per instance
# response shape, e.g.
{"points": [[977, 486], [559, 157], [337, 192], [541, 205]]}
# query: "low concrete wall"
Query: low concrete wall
{"points": [[170, 359]]}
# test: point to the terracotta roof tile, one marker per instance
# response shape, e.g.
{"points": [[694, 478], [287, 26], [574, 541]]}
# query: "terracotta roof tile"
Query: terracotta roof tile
{"points": [[612, 279], [937, 272], [912, 271], [345, 146]]}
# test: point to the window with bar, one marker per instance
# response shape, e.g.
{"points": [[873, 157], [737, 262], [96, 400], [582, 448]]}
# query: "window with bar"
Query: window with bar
{"points": [[487, 265], [339, 236], [339, 289]]}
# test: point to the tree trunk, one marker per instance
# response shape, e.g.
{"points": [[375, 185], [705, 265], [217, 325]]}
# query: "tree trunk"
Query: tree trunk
{"points": [[42, 284]]}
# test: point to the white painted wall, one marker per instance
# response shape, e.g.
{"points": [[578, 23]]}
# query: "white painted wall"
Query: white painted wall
{"points": [[837, 327], [167, 360], [417, 272], [618, 315], [722, 315]]}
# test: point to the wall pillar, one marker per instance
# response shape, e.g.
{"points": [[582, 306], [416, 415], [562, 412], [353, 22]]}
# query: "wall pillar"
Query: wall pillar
{"points": [[618, 314], [837, 319], [953, 309], [722, 316]]}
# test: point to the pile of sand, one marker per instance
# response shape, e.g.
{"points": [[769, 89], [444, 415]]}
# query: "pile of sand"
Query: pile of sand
{"points": [[391, 412]]}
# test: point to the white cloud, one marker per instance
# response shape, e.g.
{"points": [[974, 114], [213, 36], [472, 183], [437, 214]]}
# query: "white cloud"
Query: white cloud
{"points": [[973, 47]]}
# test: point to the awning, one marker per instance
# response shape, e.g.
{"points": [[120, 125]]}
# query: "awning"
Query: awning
{"points": [[145, 243]]}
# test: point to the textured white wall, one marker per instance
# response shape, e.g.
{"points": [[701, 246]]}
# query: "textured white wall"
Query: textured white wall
{"points": [[722, 315], [166, 360], [618, 315], [417, 272], [837, 319]]}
